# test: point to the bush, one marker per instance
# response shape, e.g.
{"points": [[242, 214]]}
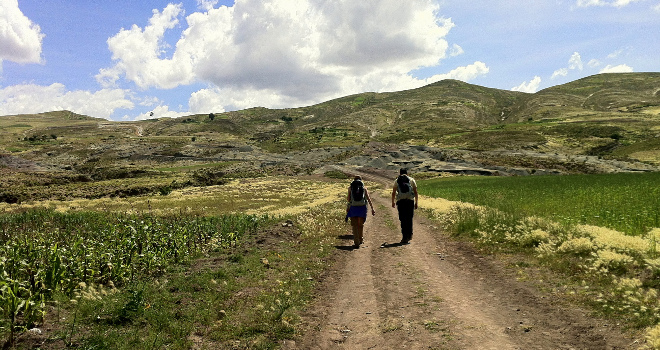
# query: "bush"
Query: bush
{"points": [[10, 198], [165, 190], [336, 174], [653, 338]]}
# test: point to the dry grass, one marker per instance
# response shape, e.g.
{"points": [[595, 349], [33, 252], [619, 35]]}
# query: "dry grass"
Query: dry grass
{"points": [[278, 196]]}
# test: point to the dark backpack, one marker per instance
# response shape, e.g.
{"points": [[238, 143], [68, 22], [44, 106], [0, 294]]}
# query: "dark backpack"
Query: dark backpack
{"points": [[403, 183], [357, 191]]}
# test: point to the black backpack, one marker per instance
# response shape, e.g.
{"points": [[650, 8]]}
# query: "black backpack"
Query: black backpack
{"points": [[403, 183], [357, 191]]}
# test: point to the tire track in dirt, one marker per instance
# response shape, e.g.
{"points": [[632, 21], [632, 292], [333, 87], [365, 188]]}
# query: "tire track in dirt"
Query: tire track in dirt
{"points": [[355, 317], [437, 308], [437, 293]]}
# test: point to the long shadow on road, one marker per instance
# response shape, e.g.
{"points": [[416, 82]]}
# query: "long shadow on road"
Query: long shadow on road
{"points": [[392, 245]]}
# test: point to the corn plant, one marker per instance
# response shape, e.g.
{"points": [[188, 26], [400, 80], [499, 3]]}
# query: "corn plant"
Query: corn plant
{"points": [[44, 252]]}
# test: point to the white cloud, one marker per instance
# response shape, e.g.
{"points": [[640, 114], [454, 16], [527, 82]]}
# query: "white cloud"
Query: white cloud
{"points": [[622, 68], [594, 63], [147, 101], [455, 50], [613, 3], [530, 87], [575, 62], [219, 100], [161, 111], [586, 3], [466, 73], [139, 54], [615, 54], [562, 72], [26, 99], [20, 39], [206, 5], [108, 77], [285, 51], [208, 101]]}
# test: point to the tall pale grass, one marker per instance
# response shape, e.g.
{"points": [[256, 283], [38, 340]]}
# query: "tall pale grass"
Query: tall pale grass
{"points": [[623, 270]]}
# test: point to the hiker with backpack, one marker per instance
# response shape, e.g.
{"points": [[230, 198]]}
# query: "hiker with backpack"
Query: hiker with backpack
{"points": [[358, 197], [405, 199]]}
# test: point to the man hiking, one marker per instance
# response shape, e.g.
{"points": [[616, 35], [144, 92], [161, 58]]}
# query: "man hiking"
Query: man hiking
{"points": [[405, 199]]}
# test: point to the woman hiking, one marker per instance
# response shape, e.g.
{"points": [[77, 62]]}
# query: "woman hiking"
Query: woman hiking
{"points": [[358, 197]]}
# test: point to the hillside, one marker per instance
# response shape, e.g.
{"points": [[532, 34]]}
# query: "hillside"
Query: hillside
{"points": [[602, 123]]}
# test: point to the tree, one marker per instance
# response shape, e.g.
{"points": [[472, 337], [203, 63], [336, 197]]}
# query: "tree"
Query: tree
{"points": [[211, 116]]}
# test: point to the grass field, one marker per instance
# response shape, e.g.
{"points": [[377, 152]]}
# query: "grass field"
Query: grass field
{"points": [[628, 203], [598, 231]]}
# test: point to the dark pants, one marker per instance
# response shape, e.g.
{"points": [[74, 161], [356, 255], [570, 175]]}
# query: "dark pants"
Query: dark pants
{"points": [[406, 208]]}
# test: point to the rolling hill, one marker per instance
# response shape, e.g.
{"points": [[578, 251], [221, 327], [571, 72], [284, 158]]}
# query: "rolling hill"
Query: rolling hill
{"points": [[601, 123]]}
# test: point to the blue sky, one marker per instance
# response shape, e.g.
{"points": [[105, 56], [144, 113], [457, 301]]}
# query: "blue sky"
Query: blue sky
{"points": [[124, 59]]}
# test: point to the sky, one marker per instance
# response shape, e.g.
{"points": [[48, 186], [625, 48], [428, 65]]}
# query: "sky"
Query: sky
{"points": [[127, 60]]}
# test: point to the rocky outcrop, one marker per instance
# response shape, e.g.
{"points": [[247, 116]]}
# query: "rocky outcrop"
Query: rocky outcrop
{"points": [[500, 163], [385, 157], [21, 164]]}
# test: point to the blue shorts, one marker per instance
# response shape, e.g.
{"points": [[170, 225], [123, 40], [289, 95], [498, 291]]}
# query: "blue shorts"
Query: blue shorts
{"points": [[357, 211]]}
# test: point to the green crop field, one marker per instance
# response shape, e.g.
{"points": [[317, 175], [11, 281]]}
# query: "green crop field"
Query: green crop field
{"points": [[599, 231], [628, 203], [147, 272], [45, 253]]}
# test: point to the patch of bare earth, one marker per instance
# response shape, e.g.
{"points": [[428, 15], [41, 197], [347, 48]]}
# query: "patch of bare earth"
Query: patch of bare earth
{"points": [[20, 164], [438, 293]]}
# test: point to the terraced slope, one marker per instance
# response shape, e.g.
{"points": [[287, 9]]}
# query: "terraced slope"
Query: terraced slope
{"points": [[607, 116]]}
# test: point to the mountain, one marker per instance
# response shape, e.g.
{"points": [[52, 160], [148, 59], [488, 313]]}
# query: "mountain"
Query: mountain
{"points": [[608, 117]]}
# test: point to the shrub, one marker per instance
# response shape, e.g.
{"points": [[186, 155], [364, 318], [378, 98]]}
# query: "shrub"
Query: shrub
{"points": [[336, 174], [10, 198], [612, 261], [577, 246], [607, 238], [165, 190], [653, 338]]}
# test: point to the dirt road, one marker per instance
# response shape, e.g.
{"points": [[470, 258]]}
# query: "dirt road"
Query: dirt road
{"points": [[437, 293]]}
